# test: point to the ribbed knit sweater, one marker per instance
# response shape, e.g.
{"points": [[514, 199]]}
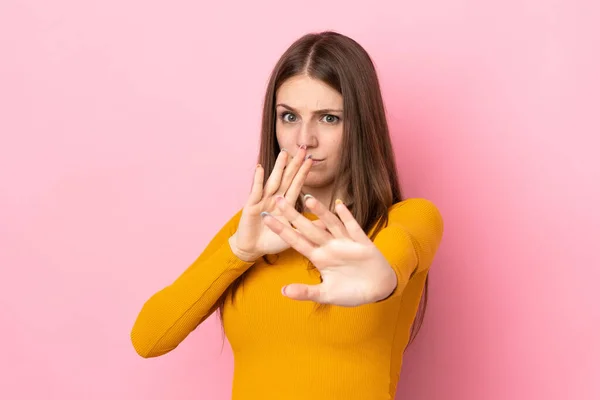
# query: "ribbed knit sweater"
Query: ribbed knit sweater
{"points": [[292, 350]]}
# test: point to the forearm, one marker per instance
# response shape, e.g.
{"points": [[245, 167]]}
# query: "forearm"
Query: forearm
{"points": [[172, 313]]}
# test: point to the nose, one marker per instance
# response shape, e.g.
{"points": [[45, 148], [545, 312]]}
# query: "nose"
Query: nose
{"points": [[307, 136]]}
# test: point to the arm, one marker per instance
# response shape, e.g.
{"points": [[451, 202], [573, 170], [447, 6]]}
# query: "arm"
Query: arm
{"points": [[355, 270], [411, 239], [175, 311]]}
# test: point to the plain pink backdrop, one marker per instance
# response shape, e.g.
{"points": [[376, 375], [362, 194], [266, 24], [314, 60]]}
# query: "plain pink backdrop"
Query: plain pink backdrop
{"points": [[129, 131]]}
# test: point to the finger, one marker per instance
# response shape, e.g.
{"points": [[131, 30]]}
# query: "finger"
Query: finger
{"points": [[352, 226], [275, 177], [302, 224], [301, 292], [257, 185], [319, 224], [291, 170], [331, 221], [296, 186], [294, 238]]}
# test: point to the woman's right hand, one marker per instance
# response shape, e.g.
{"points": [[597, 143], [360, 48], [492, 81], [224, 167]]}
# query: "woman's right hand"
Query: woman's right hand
{"points": [[253, 238]]}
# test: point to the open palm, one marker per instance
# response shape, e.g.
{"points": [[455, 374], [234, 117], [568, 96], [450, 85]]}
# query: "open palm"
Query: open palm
{"points": [[352, 268], [253, 238]]}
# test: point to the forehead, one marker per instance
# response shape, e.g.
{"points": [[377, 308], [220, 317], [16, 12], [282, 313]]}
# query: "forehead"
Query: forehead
{"points": [[303, 92]]}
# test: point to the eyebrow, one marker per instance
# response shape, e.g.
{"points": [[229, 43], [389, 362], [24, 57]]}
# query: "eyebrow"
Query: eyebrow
{"points": [[323, 111]]}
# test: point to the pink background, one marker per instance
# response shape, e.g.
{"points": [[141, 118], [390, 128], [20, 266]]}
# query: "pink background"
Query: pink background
{"points": [[129, 131]]}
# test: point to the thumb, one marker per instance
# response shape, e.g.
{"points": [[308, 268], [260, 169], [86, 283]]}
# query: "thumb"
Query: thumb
{"points": [[298, 291]]}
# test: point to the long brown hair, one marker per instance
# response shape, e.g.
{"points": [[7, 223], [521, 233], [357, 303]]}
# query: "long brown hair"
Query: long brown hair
{"points": [[367, 170]]}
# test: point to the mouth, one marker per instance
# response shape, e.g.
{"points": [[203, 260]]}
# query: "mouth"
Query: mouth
{"points": [[315, 161]]}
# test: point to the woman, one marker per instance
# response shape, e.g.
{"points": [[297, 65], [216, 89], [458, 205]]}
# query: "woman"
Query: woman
{"points": [[332, 260]]}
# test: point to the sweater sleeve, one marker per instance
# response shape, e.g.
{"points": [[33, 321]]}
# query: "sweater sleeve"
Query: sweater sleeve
{"points": [[410, 240], [174, 312]]}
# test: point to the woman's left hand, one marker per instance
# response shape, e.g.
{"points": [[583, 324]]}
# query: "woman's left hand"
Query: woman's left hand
{"points": [[352, 268]]}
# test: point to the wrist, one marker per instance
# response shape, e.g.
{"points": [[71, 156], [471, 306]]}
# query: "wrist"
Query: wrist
{"points": [[242, 255]]}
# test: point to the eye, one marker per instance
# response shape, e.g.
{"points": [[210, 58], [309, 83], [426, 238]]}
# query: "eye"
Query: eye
{"points": [[288, 117], [330, 119]]}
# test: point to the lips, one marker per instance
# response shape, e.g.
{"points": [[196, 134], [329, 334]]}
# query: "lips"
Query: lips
{"points": [[315, 160]]}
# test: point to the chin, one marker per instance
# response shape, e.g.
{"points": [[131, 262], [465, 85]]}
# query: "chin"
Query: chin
{"points": [[317, 180]]}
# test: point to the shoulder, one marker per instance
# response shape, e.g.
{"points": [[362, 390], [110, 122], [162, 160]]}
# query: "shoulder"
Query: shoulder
{"points": [[234, 221], [420, 221], [417, 210], [230, 225]]}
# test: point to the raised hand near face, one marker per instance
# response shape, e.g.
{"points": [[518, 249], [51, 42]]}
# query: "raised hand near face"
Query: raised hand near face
{"points": [[352, 268], [253, 238]]}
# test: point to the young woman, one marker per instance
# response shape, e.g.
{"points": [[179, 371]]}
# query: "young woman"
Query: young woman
{"points": [[318, 278]]}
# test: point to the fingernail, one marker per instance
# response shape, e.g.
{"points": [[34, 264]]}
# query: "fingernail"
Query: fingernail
{"points": [[308, 156], [264, 214], [307, 196], [283, 290], [258, 165], [303, 147], [279, 199], [338, 201], [284, 150]]}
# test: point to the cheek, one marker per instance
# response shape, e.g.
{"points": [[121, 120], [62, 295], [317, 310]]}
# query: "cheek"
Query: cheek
{"points": [[285, 135], [278, 134], [334, 146]]}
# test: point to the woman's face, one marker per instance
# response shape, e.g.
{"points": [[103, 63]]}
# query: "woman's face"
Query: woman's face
{"points": [[309, 112]]}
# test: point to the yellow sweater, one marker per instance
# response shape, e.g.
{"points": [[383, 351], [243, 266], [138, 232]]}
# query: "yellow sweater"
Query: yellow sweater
{"points": [[289, 350]]}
